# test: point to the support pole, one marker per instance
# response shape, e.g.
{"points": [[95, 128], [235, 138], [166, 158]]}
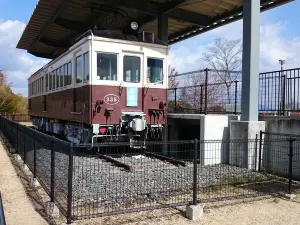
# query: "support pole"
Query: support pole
{"points": [[251, 39], [162, 29], [205, 91]]}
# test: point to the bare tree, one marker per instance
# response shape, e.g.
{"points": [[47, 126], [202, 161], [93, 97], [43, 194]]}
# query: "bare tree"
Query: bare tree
{"points": [[173, 73], [225, 58], [195, 91]]}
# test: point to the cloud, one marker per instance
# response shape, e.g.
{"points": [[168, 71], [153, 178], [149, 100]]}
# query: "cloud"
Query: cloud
{"points": [[17, 64], [185, 55], [274, 45]]}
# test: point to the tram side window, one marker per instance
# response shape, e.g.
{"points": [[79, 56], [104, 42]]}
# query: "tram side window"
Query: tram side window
{"points": [[131, 69], [42, 85], [50, 81], [65, 77], [38, 85], [86, 71], [69, 73], [46, 83], [57, 77], [62, 73], [79, 69], [53, 79], [106, 66], [154, 70]]}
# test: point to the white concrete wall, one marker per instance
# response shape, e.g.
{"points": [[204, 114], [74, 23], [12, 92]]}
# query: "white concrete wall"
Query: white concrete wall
{"points": [[214, 131], [244, 147], [275, 153], [214, 135], [286, 125]]}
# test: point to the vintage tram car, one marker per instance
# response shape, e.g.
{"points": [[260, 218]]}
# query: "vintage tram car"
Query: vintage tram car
{"points": [[108, 86]]}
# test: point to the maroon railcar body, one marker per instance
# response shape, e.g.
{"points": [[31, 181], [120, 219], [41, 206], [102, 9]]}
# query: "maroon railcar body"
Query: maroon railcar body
{"points": [[80, 104]]}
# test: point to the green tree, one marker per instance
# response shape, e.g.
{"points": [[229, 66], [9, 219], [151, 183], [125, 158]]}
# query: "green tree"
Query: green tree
{"points": [[10, 102]]}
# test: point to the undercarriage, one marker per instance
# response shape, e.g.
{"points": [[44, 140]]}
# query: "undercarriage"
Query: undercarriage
{"points": [[132, 128]]}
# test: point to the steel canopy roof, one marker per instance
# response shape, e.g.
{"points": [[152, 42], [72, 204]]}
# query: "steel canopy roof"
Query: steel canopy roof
{"points": [[55, 25]]}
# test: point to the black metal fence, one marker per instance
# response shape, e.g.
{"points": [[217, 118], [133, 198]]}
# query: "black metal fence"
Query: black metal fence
{"points": [[205, 91], [279, 92], [105, 179], [46, 157], [211, 91]]}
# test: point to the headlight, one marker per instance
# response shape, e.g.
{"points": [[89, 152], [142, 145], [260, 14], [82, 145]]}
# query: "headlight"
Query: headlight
{"points": [[134, 25]]}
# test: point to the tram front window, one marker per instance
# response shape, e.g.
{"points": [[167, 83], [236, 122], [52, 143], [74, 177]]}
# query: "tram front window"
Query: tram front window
{"points": [[106, 66], [132, 69]]}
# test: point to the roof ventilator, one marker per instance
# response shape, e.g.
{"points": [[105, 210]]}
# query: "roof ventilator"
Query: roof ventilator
{"points": [[147, 36]]}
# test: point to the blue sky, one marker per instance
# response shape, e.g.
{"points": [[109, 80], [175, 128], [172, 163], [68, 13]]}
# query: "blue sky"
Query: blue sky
{"points": [[280, 38]]}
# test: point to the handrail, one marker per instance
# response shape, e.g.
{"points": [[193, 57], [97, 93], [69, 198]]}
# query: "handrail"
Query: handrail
{"points": [[2, 216]]}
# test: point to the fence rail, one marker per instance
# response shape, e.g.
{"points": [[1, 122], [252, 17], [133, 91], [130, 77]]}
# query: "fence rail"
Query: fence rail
{"points": [[87, 181], [211, 91]]}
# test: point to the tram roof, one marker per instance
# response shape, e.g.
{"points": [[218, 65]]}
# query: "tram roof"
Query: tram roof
{"points": [[55, 25]]}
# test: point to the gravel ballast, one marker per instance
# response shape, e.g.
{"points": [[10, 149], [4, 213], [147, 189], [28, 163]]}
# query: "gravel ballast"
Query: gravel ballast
{"points": [[98, 181]]}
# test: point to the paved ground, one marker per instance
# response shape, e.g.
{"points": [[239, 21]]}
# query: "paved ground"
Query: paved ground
{"points": [[19, 210], [267, 212], [26, 123]]}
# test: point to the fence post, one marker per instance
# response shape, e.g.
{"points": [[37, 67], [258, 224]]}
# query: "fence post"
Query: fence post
{"points": [[235, 97], [70, 185], [201, 97], [34, 155], [206, 83], [283, 95], [24, 149], [260, 148], [175, 100], [195, 180], [52, 170], [291, 142]]}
